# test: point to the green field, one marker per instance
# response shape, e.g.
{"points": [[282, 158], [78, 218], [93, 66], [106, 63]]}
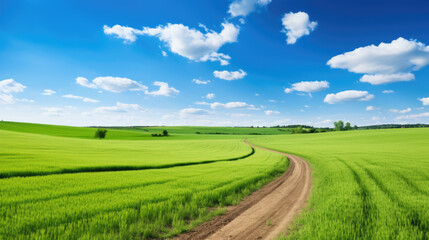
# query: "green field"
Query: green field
{"points": [[210, 130], [61, 183], [108, 202], [368, 184], [25, 154]]}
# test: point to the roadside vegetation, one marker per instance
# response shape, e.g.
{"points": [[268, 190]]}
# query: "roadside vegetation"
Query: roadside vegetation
{"points": [[368, 184]]}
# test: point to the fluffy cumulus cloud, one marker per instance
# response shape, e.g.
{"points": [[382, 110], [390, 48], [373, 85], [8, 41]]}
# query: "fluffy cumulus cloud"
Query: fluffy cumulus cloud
{"points": [[270, 112], [347, 96], [425, 101], [378, 79], [193, 111], [308, 87], [407, 110], [241, 8], [112, 84], [184, 41], [119, 108], [7, 88], [233, 105], [84, 99], [210, 96], [370, 108], [10, 86], [385, 63], [297, 25], [199, 82], [164, 90], [48, 92], [230, 75]]}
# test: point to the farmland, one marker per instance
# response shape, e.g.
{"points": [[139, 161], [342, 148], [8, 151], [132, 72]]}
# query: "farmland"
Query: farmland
{"points": [[122, 204], [367, 184], [60, 182], [34, 154]]}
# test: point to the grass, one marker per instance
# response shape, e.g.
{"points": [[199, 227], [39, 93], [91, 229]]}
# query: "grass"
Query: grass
{"points": [[74, 132], [129, 204], [211, 130], [367, 184], [24, 154]]}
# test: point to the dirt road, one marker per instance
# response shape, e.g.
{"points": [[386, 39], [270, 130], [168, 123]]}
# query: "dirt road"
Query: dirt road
{"points": [[265, 213]]}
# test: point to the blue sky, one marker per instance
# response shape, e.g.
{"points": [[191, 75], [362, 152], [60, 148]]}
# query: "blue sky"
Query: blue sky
{"points": [[226, 63]]}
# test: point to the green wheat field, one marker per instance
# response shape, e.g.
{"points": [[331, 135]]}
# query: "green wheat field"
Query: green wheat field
{"points": [[59, 182]]}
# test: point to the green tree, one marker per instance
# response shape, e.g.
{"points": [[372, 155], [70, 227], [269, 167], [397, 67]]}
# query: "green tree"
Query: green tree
{"points": [[355, 127], [339, 126], [165, 133], [348, 126], [100, 133]]}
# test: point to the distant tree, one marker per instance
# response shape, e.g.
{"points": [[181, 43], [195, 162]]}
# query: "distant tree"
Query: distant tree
{"points": [[298, 130], [165, 133], [355, 127], [348, 126], [339, 126], [100, 133]]}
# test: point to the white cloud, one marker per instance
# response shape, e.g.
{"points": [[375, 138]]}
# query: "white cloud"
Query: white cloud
{"points": [[375, 118], [378, 79], [308, 87], [425, 101], [297, 25], [229, 76], [400, 111], [118, 108], [164, 53], [184, 41], [370, 108], [272, 101], [327, 121], [193, 111], [385, 63], [112, 84], [48, 92], [233, 105], [240, 115], [210, 96], [202, 103], [84, 99], [347, 96], [7, 99], [197, 81], [7, 88], [285, 121], [10, 86], [164, 90], [270, 112], [25, 100], [426, 114], [52, 111], [126, 33], [244, 7], [388, 91]]}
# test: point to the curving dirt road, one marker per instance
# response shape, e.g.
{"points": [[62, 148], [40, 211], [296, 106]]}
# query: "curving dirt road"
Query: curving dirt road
{"points": [[267, 212]]}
